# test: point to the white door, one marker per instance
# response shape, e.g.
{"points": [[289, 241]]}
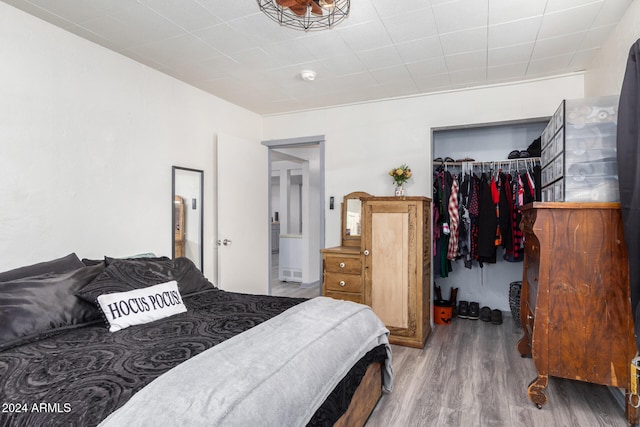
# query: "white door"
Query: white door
{"points": [[242, 215]]}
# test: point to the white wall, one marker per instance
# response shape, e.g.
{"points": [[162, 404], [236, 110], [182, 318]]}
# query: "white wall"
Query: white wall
{"points": [[606, 71], [311, 222], [87, 141], [364, 141]]}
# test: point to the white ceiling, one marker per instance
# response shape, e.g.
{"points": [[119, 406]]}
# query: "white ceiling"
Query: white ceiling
{"points": [[384, 49]]}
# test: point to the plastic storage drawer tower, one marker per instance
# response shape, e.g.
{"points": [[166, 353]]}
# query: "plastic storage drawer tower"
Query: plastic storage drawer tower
{"points": [[579, 152]]}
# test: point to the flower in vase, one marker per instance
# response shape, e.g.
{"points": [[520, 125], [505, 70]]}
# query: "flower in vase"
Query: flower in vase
{"points": [[400, 175]]}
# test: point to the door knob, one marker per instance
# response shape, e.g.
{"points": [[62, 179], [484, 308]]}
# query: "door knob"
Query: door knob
{"points": [[366, 252], [225, 242]]}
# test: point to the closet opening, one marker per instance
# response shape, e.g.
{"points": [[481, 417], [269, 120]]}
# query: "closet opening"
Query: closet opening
{"points": [[484, 151]]}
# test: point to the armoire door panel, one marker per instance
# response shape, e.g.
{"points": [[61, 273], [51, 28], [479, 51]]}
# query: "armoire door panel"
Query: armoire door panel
{"points": [[396, 284], [390, 282]]}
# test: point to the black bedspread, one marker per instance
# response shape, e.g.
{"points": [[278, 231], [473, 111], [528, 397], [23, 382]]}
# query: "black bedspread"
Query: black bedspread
{"points": [[79, 376]]}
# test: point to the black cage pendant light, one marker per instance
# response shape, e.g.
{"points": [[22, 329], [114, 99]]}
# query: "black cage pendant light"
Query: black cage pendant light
{"points": [[307, 15]]}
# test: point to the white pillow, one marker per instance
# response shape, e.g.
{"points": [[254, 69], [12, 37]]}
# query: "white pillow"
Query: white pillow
{"points": [[124, 309]]}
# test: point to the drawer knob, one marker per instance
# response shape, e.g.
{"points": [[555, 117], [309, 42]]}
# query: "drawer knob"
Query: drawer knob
{"points": [[529, 317], [342, 265], [342, 283]]}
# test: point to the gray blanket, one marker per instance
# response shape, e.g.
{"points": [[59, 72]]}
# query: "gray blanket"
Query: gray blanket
{"points": [[275, 374]]}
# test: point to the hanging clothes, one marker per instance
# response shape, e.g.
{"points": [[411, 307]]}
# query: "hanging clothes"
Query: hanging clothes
{"points": [[441, 193], [487, 223], [474, 213], [505, 219], [537, 178], [452, 252], [435, 208], [495, 197], [518, 236], [473, 216], [532, 185], [464, 225], [628, 152], [528, 192], [519, 191]]}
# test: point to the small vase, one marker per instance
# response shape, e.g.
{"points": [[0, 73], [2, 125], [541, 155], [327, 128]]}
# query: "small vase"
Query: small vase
{"points": [[399, 191]]}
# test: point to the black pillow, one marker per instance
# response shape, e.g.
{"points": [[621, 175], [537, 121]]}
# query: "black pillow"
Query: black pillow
{"points": [[32, 305], [122, 275], [189, 278], [60, 265], [108, 260]]}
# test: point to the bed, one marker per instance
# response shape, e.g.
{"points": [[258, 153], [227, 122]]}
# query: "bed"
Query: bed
{"points": [[69, 355]]}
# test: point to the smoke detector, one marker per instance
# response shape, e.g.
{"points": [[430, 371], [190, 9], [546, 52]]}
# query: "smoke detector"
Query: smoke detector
{"points": [[308, 75]]}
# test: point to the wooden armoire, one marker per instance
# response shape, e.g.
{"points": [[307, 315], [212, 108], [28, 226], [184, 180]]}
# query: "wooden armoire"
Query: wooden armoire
{"points": [[397, 263], [390, 267]]}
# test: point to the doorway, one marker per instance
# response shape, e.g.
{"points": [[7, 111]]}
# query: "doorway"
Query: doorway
{"points": [[296, 214]]}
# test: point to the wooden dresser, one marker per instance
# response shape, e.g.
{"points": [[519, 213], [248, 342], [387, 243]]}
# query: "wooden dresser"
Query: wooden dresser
{"points": [[387, 265], [343, 266], [397, 282], [575, 300], [343, 273]]}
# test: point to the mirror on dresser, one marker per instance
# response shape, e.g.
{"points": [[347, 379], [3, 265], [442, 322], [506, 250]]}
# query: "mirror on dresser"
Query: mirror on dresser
{"points": [[352, 218], [342, 266]]}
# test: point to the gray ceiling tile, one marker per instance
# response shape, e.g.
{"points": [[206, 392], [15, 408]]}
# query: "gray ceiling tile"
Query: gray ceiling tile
{"points": [[514, 32], [411, 25], [501, 11], [461, 15], [419, 50], [366, 36], [464, 41]]}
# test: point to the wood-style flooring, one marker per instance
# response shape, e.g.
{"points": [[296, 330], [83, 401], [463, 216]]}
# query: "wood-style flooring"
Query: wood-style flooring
{"points": [[470, 374], [293, 289]]}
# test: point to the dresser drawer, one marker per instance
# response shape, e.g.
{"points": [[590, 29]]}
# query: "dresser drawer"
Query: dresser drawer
{"points": [[342, 282], [343, 264]]}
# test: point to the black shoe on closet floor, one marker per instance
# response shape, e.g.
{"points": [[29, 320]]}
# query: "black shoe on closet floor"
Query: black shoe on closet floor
{"points": [[485, 314], [496, 317], [474, 310], [463, 310]]}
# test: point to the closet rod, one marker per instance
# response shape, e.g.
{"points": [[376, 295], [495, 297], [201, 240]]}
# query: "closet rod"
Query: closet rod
{"points": [[492, 166], [488, 163]]}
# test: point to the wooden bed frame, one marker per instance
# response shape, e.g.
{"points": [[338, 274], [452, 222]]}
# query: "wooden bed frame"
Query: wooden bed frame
{"points": [[364, 399]]}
